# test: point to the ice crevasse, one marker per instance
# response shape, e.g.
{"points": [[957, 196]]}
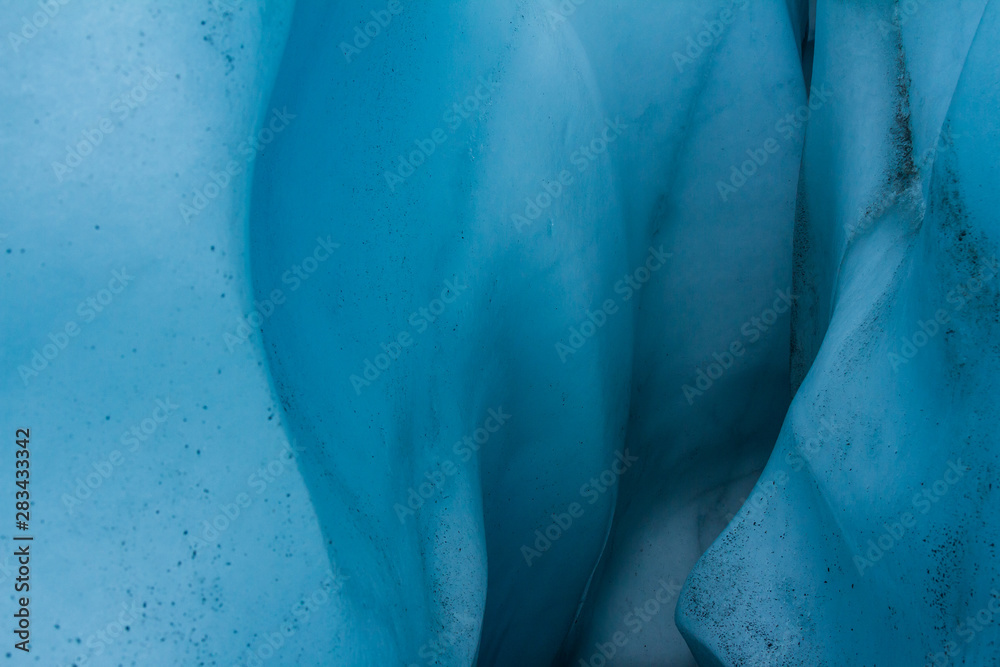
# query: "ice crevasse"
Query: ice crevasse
{"points": [[516, 333]]}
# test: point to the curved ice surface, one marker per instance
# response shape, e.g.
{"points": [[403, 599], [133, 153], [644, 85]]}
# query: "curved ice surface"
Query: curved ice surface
{"points": [[869, 538], [530, 223], [501, 337], [170, 526]]}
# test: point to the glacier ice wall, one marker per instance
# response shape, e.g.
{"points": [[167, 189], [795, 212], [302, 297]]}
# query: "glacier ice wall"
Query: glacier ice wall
{"points": [[459, 339], [530, 223], [869, 538], [125, 264]]}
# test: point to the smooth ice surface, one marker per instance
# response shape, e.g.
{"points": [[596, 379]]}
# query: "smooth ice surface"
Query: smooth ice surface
{"points": [[531, 239], [119, 516], [459, 342]]}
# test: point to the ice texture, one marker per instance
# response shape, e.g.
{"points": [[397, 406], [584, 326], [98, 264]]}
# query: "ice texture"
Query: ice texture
{"points": [[495, 207], [874, 541], [548, 332], [145, 427]]}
